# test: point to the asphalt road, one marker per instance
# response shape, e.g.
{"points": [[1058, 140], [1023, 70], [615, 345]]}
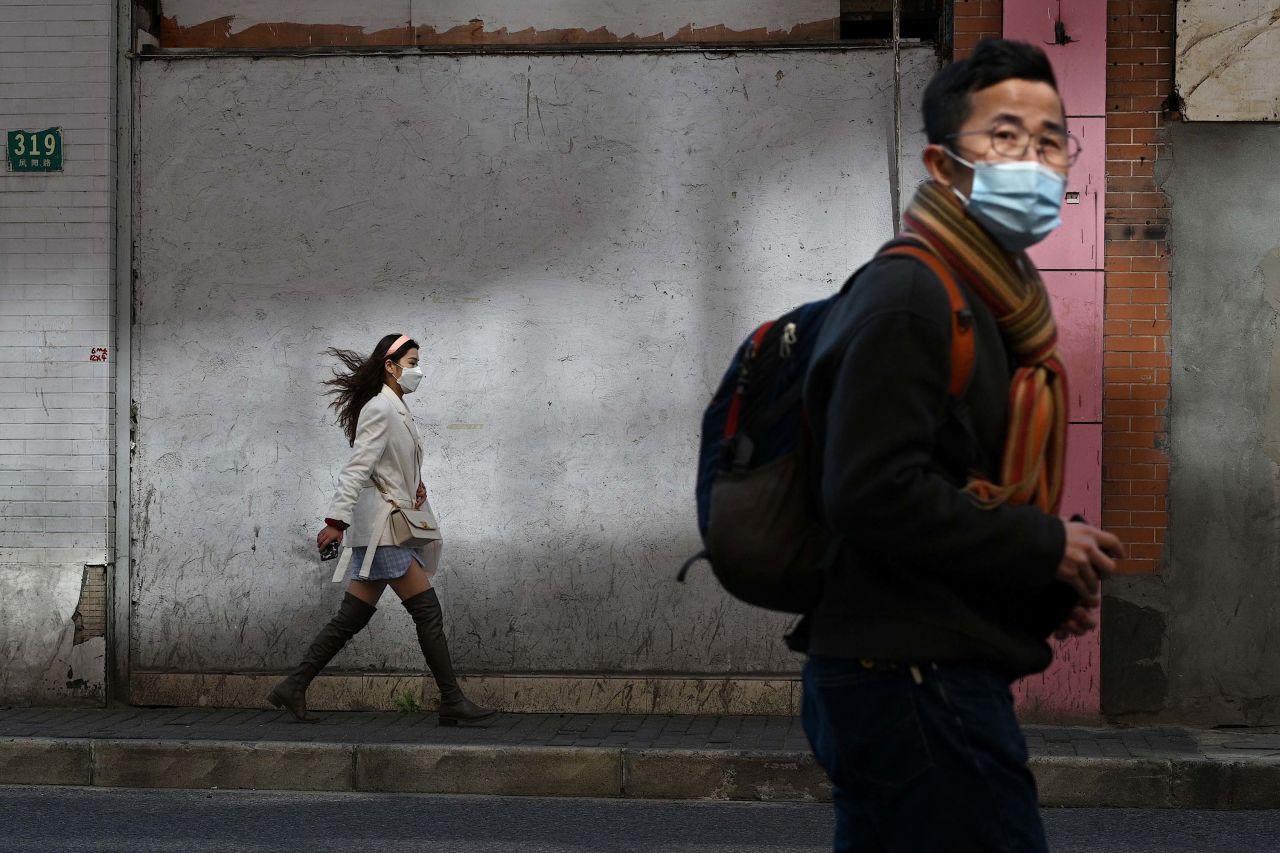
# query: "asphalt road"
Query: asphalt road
{"points": [[88, 819]]}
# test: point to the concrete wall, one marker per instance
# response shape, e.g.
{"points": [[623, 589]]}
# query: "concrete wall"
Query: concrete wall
{"points": [[55, 367], [1201, 638], [578, 241]]}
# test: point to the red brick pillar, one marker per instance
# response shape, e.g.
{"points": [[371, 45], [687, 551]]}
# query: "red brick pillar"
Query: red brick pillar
{"points": [[975, 20], [1135, 457]]}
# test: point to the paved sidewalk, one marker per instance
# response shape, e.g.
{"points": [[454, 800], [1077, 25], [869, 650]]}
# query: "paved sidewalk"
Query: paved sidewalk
{"points": [[632, 731], [660, 756], [639, 731]]}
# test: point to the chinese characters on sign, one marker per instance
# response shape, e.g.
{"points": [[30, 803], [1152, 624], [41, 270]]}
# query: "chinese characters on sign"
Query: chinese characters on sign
{"points": [[35, 151]]}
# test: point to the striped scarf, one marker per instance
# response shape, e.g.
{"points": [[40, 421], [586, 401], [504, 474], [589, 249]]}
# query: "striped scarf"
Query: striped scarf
{"points": [[1036, 445]]}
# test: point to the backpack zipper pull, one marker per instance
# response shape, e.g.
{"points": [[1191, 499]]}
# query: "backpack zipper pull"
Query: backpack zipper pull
{"points": [[789, 338]]}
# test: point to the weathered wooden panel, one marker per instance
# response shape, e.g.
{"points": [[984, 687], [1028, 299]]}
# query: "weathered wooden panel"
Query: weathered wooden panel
{"points": [[1078, 310], [1228, 59], [1068, 690], [1072, 258], [1077, 244], [1080, 63]]}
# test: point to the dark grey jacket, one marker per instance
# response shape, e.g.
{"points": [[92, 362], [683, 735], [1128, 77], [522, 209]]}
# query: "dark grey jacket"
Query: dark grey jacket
{"points": [[923, 574]]}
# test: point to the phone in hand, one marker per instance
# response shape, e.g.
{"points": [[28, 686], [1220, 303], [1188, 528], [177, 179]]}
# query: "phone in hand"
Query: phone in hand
{"points": [[330, 551]]}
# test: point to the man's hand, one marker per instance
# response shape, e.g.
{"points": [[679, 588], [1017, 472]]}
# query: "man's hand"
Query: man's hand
{"points": [[1089, 557], [421, 497], [1080, 622], [329, 534]]}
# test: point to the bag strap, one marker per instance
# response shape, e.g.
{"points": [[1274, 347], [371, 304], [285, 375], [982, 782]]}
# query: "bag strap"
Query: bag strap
{"points": [[963, 352], [387, 497], [704, 554]]}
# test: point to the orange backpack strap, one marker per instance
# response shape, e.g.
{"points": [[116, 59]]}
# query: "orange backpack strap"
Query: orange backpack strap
{"points": [[963, 351]]}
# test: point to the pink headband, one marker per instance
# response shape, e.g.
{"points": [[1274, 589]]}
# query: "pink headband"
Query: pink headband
{"points": [[400, 341]]}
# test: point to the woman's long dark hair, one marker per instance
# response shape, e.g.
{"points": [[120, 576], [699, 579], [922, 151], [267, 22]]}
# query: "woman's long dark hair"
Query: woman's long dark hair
{"points": [[362, 382]]}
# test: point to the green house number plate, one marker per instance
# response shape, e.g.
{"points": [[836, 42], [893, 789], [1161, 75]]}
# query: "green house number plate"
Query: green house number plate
{"points": [[35, 151]]}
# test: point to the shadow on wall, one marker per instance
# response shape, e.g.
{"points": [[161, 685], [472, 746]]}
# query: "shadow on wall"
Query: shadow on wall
{"points": [[578, 242]]}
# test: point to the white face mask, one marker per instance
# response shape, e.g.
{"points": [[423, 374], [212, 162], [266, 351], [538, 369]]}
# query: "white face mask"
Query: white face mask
{"points": [[409, 379]]}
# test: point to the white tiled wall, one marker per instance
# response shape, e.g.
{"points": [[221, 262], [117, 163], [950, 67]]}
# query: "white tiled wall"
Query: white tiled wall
{"points": [[55, 310]]}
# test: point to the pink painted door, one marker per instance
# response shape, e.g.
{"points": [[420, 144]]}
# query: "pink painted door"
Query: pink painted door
{"points": [[1072, 261], [1078, 310], [1077, 243], [1081, 64], [1068, 691]]}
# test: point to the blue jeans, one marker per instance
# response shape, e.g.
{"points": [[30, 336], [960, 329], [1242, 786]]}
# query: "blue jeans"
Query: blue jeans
{"points": [[935, 763]]}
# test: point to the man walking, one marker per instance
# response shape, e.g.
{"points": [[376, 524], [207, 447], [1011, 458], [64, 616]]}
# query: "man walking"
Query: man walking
{"points": [[954, 567]]}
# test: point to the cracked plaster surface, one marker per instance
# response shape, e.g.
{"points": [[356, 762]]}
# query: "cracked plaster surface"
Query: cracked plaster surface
{"points": [[1228, 59], [40, 662]]}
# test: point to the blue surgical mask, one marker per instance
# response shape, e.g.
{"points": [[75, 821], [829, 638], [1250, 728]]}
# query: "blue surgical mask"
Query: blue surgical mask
{"points": [[1018, 202]]}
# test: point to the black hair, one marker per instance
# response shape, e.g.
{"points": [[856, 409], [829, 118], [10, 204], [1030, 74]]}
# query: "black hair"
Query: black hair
{"points": [[946, 98], [362, 381]]}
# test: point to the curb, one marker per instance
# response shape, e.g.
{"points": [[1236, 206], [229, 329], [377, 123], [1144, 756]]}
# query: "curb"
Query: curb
{"points": [[676, 774], [539, 771], [44, 761], [534, 771], [1143, 783]]}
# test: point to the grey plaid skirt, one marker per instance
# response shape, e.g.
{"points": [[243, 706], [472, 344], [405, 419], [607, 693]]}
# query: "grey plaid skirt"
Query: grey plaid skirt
{"points": [[389, 562]]}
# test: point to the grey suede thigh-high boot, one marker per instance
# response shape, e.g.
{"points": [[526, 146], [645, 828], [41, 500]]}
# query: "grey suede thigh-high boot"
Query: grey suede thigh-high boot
{"points": [[455, 707], [350, 619]]}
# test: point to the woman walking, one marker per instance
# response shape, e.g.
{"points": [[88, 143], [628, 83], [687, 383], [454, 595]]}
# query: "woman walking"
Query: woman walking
{"points": [[385, 466]]}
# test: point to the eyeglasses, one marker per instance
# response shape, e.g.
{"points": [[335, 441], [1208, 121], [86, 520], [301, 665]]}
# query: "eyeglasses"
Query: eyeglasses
{"points": [[1013, 142]]}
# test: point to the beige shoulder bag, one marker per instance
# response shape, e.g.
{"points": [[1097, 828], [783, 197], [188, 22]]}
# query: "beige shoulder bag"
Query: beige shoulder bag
{"points": [[409, 528]]}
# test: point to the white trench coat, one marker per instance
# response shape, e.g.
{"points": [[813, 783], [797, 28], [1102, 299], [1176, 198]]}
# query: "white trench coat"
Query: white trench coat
{"points": [[387, 447]]}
